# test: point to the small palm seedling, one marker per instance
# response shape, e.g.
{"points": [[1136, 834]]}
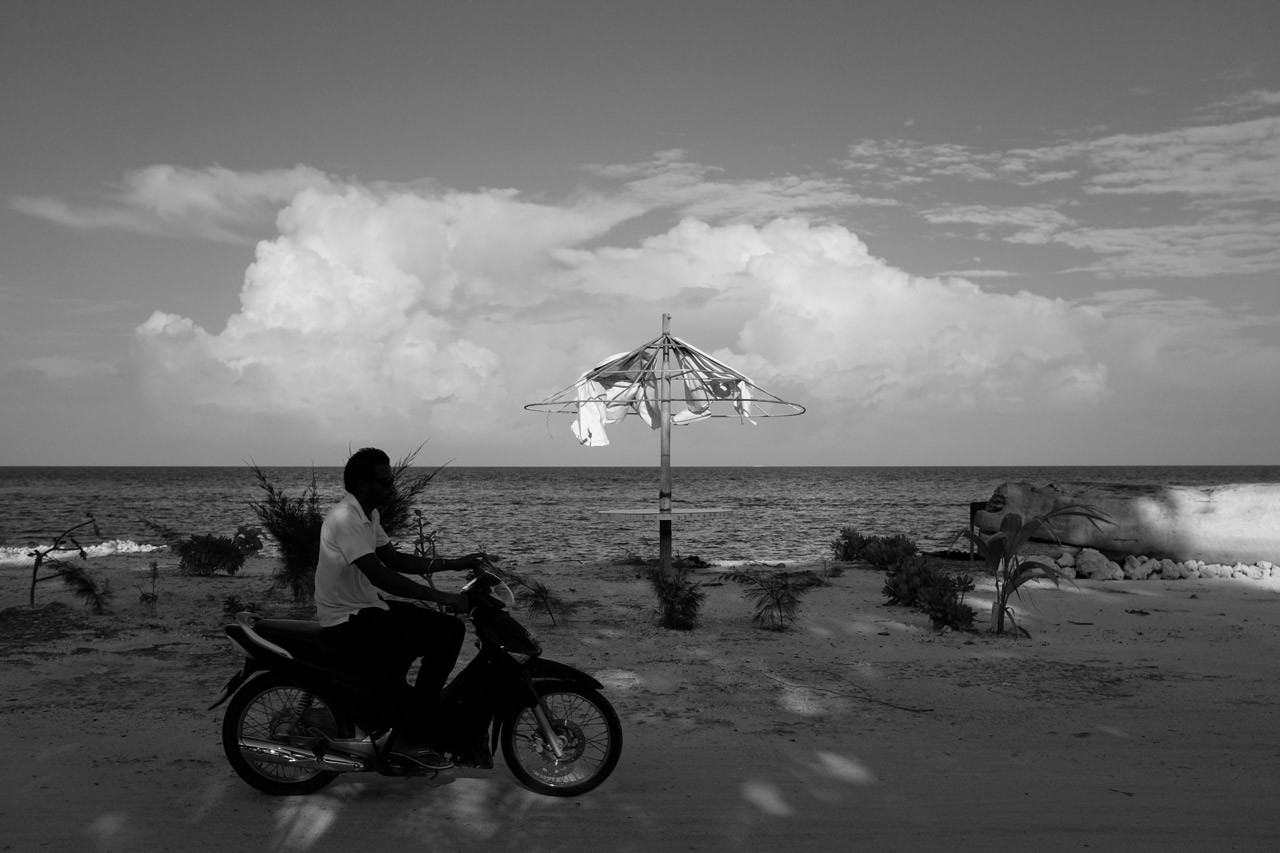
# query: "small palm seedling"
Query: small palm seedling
{"points": [[775, 595], [149, 599], [1002, 553]]}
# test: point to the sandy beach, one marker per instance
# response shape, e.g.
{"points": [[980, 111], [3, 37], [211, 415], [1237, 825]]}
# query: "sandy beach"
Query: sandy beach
{"points": [[1140, 715]]}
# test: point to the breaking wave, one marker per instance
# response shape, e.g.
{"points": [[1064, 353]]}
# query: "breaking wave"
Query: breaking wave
{"points": [[10, 555]]}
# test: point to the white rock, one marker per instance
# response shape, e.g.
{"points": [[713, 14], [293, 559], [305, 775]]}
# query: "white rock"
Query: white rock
{"points": [[1137, 568], [1091, 564], [1066, 558]]}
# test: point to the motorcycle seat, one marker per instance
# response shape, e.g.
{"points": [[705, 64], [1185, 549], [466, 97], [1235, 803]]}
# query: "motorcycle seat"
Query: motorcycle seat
{"points": [[302, 639]]}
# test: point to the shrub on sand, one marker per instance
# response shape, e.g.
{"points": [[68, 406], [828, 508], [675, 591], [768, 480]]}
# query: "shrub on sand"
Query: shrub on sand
{"points": [[294, 522], [879, 551], [775, 595], [679, 599], [847, 547], [918, 582], [203, 554]]}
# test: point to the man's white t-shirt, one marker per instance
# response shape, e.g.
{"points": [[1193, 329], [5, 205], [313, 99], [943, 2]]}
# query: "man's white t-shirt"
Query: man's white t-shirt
{"points": [[341, 588]]}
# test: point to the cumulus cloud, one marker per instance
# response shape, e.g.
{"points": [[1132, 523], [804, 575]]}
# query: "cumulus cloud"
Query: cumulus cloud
{"points": [[366, 306], [213, 203], [811, 306], [861, 332], [441, 313], [443, 309]]}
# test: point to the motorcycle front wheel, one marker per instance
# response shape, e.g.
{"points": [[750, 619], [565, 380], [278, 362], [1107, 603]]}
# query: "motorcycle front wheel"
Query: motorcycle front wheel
{"points": [[590, 736], [270, 707]]}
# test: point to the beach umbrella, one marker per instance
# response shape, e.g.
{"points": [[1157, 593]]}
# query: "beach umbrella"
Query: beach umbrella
{"points": [[648, 382]]}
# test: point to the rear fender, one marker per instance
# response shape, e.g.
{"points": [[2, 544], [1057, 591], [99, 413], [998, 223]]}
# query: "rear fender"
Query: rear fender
{"points": [[233, 684]]}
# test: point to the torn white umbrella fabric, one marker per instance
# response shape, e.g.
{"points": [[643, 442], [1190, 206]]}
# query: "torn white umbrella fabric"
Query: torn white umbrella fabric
{"points": [[627, 383]]}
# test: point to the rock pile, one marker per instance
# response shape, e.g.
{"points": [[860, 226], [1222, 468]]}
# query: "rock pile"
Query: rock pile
{"points": [[1088, 563]]}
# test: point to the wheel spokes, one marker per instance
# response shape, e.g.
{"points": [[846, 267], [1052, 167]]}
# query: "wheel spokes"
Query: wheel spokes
{"points": [[583, 730], [270, 716]]}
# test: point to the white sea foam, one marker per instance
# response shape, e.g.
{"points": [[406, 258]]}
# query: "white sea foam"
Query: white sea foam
{"points": [[10, 555]]}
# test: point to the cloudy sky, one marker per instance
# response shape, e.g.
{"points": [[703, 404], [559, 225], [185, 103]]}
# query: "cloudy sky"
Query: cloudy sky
{"points": [[960, 234]]}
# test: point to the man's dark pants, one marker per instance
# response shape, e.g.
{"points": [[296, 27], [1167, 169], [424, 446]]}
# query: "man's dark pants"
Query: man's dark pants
{"points": [[396, 637]]}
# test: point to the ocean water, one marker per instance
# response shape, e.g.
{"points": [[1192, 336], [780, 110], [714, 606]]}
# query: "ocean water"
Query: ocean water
{"points": [[551, 516]]}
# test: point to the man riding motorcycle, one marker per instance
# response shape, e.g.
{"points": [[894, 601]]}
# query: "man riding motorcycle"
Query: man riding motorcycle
{"points": [[357, 560]]}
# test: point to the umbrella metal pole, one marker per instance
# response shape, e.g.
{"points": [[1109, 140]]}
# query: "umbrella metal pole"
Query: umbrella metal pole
{"points": [[664, 461]]}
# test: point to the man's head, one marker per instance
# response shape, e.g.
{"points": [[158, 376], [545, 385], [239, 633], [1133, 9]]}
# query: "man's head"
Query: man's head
{"points": [[367, 468]]}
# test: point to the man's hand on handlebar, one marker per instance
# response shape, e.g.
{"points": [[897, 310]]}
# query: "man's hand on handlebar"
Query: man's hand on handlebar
{"points": [[458, 602], [476, 562]]}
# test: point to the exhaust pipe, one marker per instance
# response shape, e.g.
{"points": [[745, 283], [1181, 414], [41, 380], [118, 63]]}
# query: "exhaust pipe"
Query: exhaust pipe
{"points": [[270, 752]]}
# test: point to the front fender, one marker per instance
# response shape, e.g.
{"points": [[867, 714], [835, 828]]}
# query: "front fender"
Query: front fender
{"points": [[538, 669], [541, 669]]}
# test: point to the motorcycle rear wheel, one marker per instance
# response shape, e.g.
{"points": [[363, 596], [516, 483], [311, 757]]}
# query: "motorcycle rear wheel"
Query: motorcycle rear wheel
{"points": [[264, 708], [588, 728]]}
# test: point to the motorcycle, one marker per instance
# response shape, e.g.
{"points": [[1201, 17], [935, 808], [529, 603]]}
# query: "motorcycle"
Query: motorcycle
{"points": [[302, 711]]}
